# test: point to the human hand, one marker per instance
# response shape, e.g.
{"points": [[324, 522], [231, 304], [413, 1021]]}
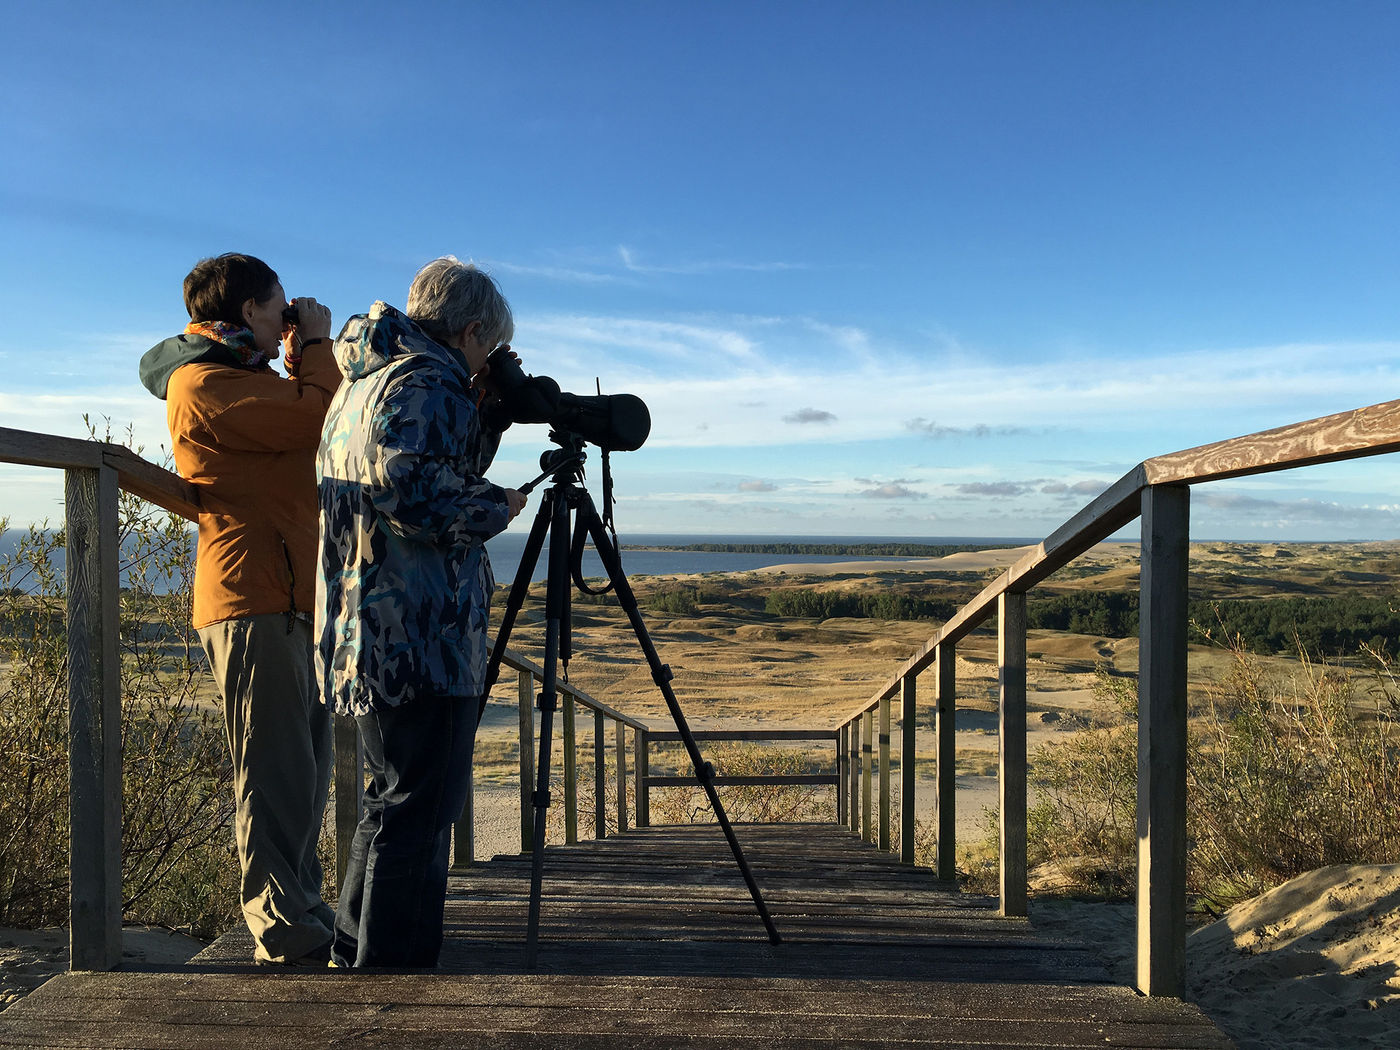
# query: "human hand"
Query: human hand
{"points": [[313, 319], [502, 356], [515, 500]]}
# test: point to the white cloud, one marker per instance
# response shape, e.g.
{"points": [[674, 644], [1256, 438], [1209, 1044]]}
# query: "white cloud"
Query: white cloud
{"points": [[634, 265]]}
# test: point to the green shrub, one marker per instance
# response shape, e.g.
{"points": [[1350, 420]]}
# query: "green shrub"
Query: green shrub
{"points": [[178, 867], [1283, 776]]}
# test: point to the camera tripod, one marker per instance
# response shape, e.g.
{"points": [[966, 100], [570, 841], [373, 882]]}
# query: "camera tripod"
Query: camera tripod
{"points": [[565, 495]]}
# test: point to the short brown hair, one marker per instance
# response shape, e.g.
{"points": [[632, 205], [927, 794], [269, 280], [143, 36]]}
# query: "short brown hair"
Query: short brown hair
{"points": [[217, 288]]}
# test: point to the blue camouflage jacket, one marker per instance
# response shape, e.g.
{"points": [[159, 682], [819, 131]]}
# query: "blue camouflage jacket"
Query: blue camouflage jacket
{"points": [[405, 584]]}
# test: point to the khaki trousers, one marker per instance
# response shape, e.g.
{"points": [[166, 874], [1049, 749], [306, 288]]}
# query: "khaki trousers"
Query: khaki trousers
{"points": [[279, 736]]}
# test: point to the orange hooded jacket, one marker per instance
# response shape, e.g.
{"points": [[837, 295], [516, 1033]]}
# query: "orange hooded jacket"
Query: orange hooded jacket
{"points": [[247, 439]]}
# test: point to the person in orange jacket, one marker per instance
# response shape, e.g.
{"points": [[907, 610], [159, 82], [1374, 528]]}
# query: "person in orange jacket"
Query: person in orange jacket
{"points": [[246, 437]]}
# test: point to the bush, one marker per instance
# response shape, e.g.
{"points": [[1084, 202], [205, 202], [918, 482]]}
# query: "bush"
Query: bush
{"points": [[1083, 823], [1283, 776], [178, 866], [746, 803]]}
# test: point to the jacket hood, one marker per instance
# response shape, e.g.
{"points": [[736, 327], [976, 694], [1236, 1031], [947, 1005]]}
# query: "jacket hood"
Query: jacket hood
{"points": [[370, 341], [158, 363]]}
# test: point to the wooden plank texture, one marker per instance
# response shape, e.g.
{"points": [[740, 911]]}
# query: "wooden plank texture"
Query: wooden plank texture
{"points": [[651, 938]]}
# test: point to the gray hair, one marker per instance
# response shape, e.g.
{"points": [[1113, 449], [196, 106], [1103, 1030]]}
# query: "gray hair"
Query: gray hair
{"points": [[448, 294]]}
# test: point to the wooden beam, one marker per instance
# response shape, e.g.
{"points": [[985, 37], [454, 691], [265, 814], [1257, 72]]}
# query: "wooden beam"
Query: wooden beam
{"points": [[883, 840], [643, 751], [525, 704], [1369, 431], [570, 773], [520, 662], [600, 776], [1115, 507], [94, 719], [1012, 765], [867, 759], [48, 450], [620, 736], [908, 760], [794, 779], [945, 746], [853, 809], [843, 770], [670, 736], [152, 483], [1161, 806]]}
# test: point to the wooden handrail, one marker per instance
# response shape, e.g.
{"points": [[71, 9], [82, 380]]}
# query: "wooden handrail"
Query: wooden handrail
{"points": [[1370, 431], [1157, 492]]}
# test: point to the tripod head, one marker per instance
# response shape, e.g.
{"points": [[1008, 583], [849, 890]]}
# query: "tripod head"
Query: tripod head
{"points": [[562, 465]]}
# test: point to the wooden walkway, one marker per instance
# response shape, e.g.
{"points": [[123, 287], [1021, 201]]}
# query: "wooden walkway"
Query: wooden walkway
{"points": [[650, 939]]}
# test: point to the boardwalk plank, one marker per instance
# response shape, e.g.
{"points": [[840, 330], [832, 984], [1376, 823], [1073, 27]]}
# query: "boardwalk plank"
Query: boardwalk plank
{"points": [[651, 939]]}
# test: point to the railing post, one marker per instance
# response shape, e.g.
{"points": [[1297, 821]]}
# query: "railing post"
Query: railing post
{"points": [[945, 747], [907, 759], [840, 774], [643, 791], [600, 777], [526, 699], [570, 774], [1012, 674], [853, 809], [1162, 710], [884, 834], [94, 719], [621, 738], [349, 796], [867, 732]]}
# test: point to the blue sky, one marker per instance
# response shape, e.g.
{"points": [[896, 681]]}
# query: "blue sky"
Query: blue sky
{"points": [[916, 269]]}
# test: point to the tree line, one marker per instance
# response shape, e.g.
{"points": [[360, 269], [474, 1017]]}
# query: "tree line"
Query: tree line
{"points": [[1322, 626]]}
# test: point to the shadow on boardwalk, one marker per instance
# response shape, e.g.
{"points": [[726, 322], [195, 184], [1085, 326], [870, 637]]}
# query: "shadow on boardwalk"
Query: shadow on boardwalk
{"points": [[652, 939]]}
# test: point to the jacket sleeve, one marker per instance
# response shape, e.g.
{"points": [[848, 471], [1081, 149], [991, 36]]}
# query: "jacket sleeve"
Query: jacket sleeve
{"points": [[424, 437], [260, 411]]}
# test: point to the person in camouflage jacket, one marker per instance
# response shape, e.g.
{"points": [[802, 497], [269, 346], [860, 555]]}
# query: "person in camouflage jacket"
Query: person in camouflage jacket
{"points": [[404, 592]]}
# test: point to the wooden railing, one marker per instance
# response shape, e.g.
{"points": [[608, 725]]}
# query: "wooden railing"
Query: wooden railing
{"points": [[646, 780], [1158, 492]]}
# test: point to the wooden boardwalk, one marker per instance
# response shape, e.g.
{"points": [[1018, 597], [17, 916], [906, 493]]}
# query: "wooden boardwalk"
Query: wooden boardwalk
{"points": [[650, 939]]}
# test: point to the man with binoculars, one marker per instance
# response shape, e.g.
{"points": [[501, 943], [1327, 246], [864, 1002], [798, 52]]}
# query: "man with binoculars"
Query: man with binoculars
{"points": [[246, 437]]}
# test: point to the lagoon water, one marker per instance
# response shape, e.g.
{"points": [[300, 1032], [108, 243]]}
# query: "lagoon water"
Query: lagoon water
{"points": [[637, 560], [506, 551]]}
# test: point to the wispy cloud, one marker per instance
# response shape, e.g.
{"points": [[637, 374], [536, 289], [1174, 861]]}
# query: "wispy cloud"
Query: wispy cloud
{"points": [[999, 489], [933, 429], [633, 264], [757, 486], [810, 415], [565, 274], [1078, 488], [1299, 513], [891, 490]]}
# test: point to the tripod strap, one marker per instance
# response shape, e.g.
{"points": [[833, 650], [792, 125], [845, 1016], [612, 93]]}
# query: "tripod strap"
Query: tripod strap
{"points": [[576, 560]]}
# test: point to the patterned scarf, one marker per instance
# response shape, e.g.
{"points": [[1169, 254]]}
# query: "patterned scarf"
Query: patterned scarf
{"points": [[235, 337]]}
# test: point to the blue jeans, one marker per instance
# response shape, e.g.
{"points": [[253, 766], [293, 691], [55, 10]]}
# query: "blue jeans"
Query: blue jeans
{"points": [[420, 759]]}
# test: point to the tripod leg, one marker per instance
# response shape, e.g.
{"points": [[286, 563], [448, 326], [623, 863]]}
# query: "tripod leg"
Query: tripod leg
{"points": [[518, 589], [556, 627], [661, 675]]}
